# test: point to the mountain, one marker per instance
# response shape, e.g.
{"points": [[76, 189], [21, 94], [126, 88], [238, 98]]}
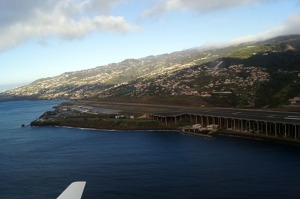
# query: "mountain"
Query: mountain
{"points": [[79, 84], [250, 74]]}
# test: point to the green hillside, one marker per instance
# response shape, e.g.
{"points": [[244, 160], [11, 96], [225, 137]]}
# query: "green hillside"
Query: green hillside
{"points": [[263, 74]]}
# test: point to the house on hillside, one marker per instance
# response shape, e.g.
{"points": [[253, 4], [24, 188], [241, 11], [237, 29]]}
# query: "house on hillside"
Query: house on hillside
{"points": [[124, 117], [295, 101], [221, 94]]}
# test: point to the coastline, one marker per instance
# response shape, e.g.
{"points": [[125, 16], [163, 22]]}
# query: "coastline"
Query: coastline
{"points": [[204, 136], [98, 124], [111, 117], [118, 130]]}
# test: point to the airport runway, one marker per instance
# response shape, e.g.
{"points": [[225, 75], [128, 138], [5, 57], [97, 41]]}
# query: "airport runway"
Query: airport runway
{"points": [[247, 114], [259, 115]]}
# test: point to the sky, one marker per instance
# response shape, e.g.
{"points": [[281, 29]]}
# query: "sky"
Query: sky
{"points": [[44, 38]]}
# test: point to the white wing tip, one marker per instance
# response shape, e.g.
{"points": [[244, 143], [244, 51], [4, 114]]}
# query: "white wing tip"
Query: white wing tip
{"points": [[73, 191]]}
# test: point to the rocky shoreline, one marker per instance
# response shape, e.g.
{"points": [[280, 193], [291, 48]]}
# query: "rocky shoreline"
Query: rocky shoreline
{"points": [[86, 115], [82, 116]]}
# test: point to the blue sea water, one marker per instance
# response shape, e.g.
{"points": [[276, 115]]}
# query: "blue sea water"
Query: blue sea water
{"points": [[42, 162]]}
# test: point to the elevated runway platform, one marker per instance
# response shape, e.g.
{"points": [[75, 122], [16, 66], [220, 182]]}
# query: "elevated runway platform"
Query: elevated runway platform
{"points": [[284, 125]]}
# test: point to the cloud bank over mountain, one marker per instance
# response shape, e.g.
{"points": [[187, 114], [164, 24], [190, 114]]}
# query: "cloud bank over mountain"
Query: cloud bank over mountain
{"points": [[290, 26]]}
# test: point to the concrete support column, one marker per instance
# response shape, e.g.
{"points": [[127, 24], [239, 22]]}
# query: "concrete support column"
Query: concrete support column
{"points": [[295, 132], [196, 119], [234, 124], [227, 123], [166, 120], [257, 126], [266, 128], [285, 129], [242, 127], [275, 125], [249, 126], [202, 121]]}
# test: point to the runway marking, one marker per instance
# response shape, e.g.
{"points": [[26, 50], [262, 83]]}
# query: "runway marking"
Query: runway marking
{"points": [[272, 116], [236, 113], [293, 117]]}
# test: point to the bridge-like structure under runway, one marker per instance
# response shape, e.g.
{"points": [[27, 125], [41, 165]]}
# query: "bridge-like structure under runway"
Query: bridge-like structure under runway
{"points": [[285, 125]]}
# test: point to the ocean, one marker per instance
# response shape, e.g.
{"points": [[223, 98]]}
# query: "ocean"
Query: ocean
{"points": [[41, 162]]}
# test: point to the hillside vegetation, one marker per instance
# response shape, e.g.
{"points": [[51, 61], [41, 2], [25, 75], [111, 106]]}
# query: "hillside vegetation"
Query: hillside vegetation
{"points": [[246, 75]]}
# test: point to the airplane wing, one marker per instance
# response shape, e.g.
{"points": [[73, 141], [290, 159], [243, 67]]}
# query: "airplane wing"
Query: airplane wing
{"points": [[73, 191]]}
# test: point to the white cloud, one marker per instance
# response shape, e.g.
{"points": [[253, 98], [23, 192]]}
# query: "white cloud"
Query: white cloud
{"points": [[201, 6], [102, 5], [290, 26], [67, 19]]}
